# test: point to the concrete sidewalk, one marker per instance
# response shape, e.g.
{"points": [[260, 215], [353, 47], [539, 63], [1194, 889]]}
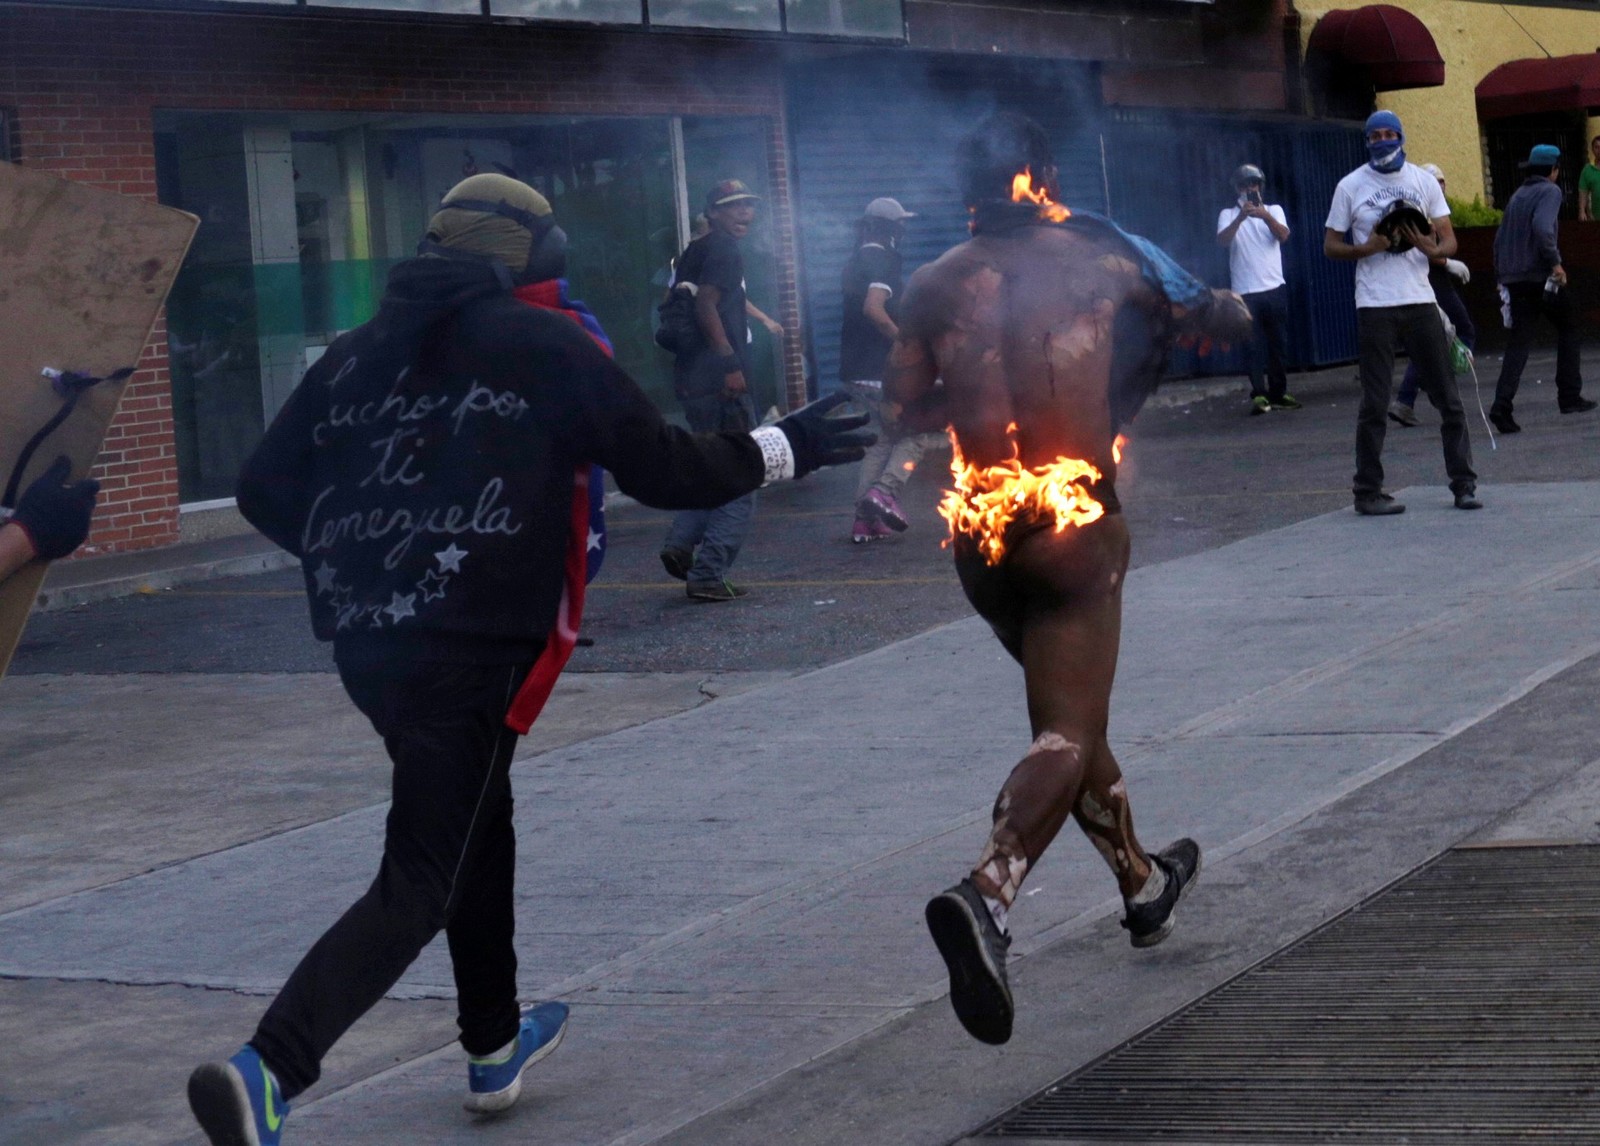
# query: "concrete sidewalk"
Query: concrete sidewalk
{"points": [[731, 896]]}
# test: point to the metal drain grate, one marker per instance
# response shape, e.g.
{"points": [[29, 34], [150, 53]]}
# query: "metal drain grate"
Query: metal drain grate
{"points": [[1460, 1005]]}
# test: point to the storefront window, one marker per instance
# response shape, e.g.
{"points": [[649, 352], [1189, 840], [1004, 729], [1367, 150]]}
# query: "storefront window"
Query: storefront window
{"points": [[303, 214], [857, 19], [450, 7], [845, 17], [587, 11], [744, 15]]}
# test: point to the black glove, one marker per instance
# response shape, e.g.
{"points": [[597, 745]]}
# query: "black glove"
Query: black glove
{"points": [[56, 515], [817, 440], [1403, 214]]}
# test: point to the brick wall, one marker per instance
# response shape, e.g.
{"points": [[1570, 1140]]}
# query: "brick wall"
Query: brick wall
{"points": [[84, 84]]}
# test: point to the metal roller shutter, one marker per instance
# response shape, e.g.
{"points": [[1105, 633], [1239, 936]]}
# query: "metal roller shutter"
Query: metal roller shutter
{"points": [[1169, 177], [888, 124]]}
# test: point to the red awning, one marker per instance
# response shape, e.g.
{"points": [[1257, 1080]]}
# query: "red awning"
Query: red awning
{"points": [[1527, 87], [1393, 46]]}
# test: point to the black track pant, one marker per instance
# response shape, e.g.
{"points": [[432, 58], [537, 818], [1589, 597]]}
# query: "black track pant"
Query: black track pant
{"points": [[449, 858]]}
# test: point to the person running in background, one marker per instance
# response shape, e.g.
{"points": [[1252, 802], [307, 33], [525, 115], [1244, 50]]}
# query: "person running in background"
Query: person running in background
{"points": [[871, 283]]}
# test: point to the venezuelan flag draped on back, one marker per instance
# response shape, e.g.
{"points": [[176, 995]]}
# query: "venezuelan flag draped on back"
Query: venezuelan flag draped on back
{"points": [[586, 542]]}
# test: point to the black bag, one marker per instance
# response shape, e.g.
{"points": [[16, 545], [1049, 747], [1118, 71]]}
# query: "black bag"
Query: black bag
{"points": [[1400, 215], [679, 330]]}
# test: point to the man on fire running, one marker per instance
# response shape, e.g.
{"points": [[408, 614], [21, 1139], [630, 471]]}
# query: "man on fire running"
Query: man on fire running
{"points": [[1034, 341]]}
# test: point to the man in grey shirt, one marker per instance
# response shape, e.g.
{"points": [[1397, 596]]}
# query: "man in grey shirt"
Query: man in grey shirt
{"points": [[1527, 264]]}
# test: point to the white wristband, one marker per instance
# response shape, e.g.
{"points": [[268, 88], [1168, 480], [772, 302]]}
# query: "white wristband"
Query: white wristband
{"points": [[776, 453]]}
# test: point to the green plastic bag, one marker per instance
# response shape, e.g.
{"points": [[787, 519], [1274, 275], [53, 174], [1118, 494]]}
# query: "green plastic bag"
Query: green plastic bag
{"points": [[1460, 356]]}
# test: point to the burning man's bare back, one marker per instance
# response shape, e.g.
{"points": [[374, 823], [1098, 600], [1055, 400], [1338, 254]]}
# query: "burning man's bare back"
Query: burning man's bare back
{"points": [[1018, 327]]}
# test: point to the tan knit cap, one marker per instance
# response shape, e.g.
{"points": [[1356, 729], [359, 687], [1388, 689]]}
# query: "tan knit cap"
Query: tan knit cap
{"points": [[482, 233]]}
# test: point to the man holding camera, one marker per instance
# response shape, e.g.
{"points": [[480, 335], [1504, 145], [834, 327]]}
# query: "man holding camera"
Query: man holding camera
{"points": [[1254, 231]]}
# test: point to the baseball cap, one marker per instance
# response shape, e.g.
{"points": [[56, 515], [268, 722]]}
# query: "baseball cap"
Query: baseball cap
{"points": [[1543, 155], [889, 209], [1433, 169], [729, 191]]}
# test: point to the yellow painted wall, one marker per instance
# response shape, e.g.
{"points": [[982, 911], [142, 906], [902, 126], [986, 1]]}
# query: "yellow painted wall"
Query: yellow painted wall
{"points": [[1474, 38]]}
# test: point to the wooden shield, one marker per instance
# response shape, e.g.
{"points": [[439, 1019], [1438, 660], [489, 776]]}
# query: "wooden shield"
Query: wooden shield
{"points": [[83, 276]]}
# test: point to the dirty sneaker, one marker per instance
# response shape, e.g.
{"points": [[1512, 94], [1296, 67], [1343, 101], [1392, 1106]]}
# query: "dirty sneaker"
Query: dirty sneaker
{"points": [[495, 1081], [1149, 923], [974, 950], [884, 507], [238, 1102], [1260, 404], [677, 562], [1405, 415], [723, 590]]}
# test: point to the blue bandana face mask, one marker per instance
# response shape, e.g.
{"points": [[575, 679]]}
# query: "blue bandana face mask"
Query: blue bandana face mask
{"points": [[1386, 155]]}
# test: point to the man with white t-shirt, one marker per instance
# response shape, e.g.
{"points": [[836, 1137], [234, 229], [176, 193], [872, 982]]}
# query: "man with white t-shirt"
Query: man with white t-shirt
{"points": [[1397, 220], [1253, 232]]}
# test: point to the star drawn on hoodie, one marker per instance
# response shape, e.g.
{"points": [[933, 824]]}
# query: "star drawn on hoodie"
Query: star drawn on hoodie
{"points": [[402, 607], [450, 559], [432, 586], [324, 577]]}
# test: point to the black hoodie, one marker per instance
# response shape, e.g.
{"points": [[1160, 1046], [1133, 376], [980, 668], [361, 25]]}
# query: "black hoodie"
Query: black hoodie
{"points": [[423, 470]]}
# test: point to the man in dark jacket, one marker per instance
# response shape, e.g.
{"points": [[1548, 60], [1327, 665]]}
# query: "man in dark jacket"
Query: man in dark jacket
{"points": [[1527, 264], [710, 379], [431, 472]]}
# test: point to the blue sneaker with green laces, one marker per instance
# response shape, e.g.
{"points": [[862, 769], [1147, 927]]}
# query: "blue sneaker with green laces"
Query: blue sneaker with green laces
{"points": [[494, 1081], [238, 1102]]}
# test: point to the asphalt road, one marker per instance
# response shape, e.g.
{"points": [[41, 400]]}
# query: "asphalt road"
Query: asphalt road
{"points": [[1195, 476]]}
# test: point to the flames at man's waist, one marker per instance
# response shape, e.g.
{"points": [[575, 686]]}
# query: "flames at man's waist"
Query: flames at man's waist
{"points": [[988, 500]]}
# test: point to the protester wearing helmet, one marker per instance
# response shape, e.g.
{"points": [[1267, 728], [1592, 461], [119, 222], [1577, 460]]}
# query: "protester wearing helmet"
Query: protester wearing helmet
{"points": [[1395, 305], [1254, 232]]}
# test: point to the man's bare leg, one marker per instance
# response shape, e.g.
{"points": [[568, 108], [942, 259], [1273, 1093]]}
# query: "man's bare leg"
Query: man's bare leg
{"points": [[1068, 649]]}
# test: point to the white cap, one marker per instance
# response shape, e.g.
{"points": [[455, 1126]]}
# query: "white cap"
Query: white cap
{"points": [[1433, 169], [889, 209]]}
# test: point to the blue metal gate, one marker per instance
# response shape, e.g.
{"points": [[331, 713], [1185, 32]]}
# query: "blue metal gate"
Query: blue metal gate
{"points": [[881, 123], [1169, 177]]}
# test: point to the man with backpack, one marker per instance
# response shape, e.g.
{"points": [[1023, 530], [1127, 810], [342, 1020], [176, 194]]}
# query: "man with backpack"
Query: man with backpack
{"points": [[710, 377]]}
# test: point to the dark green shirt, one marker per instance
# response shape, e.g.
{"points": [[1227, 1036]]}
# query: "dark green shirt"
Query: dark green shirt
{"points": [[1589, 184]]}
